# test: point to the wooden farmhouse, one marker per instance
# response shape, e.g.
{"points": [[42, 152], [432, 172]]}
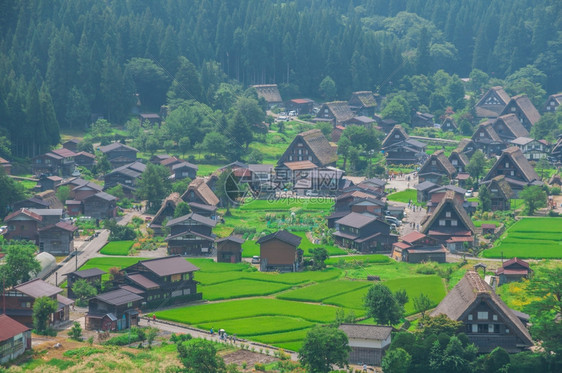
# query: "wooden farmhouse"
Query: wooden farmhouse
{"points": [[191, 234], [119, 154], [279, 252], [100, 206], [19, 302], [517, 170], [85, 159], [419, 119], [524, 109], [57, 239], [310, 146], [166, 212], [492, 103], [229, 249], [437, 169], [508, 128], [488, 321], [113, 310], [364, 233], [199, 191], [487, 139], [6, 166], [416, 247], [55, 162], [168, 280], [302, 106], [127, 176], [71, 144], [467, 147], [335, 112], [449, 124], [91, 276], [459, 161], [270, 93], [15, 339], [23, 224], [368, 342], [363, 103], [450, 224], [184, 170], [552, 103], [400, 149], [513, 270], [532, 149], [500, 193]]}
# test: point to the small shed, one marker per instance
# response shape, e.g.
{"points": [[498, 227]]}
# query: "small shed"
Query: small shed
{"points": [[368, 342], [15, 339], [229, 249], [488, 228], [513, 270]]}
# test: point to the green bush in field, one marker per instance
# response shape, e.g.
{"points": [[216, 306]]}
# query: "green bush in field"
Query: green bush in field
{"points": [[117, 248]]}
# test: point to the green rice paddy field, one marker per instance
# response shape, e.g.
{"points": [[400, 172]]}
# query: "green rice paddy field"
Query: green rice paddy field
{"points": [[530, 238], [279, 309], [117, 248]]}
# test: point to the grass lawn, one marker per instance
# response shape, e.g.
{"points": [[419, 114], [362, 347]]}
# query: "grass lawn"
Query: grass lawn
{"points": [[209, 265], [319, 292], [530, 238], [240, 309], [117, 248], [430, 285], [240, 289], [106, 263], [405, 196]]}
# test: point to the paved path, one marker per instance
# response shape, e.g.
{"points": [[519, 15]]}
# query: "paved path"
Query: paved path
{"points": [[87, 251], [199, 333]]}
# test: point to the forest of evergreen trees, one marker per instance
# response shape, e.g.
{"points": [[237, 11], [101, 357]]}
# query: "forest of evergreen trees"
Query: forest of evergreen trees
{"points": [[62, 60]]}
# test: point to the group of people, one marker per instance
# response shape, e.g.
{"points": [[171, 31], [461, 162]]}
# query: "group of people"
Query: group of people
{"points": [[223, 336]]}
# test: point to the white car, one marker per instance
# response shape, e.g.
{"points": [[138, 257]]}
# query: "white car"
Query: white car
{"points": [[292, 113], [468, 193], [282, 118]]}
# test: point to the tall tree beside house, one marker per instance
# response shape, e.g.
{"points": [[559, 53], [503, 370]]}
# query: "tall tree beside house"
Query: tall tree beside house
{"points": [[151, 81], [181, 209], [455, 93], [239, 132], [344, 144], [396, 361], [19, 262], [423, 56], [43, 307], [187, 82], [63, 193], [476, 165], [484, 198], [534, 197], [323, 347], [153, 186], [397, 109], [548, 127], [83, 291], [216, 143]]}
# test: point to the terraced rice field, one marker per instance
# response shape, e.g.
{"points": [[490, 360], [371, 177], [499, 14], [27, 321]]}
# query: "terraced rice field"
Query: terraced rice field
{"points": [[530, 238]]}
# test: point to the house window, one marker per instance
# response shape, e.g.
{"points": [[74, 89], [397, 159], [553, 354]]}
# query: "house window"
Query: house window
{"points": [[454, 223], [454, 162], [482, 328], [11, 228], [25, 304], [396, 136], [482, 315], [310, 158], [468, 328], [448, 214], [512, 173], [130, 304], [470, 317], [290, 158], [475, 328], [513, 109], [176, 277], [481, 134], [496, 328], [495, 317], [433, 163], [506, 164], [490, 328], [442, 223], [506, 330]]}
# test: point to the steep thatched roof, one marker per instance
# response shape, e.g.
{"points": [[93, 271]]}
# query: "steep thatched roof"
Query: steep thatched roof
{"points": [[515, 155], [449, 201], [442, 160], [513, 125], [269, 92]]}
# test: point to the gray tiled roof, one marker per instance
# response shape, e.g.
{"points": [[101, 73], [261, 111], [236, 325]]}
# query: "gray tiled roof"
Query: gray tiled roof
{"points": [[361, 331]]}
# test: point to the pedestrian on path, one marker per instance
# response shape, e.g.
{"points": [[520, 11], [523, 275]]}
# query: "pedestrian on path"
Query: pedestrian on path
{"points": [[154, 317]]}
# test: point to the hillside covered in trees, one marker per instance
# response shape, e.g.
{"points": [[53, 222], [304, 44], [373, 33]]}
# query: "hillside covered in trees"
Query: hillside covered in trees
{"points": [[62, 60]]}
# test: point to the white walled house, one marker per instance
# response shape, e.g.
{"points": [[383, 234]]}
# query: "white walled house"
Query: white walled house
{"points": [[368, 342]]}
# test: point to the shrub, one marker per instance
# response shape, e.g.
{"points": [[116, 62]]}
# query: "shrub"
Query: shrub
{"points": [[75, 332], [259, 367], [555, 191]]}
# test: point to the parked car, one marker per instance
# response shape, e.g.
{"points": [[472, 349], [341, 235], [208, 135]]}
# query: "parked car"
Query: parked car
{"points": [[468, 193], [292, 113], [393, 220], [255, 259], [282, 118]]}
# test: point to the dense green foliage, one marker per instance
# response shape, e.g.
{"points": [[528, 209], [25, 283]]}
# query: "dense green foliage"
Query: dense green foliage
{"points": [[19, 263], [43, 307], [117, 248], [324, 347], [65, 59]]}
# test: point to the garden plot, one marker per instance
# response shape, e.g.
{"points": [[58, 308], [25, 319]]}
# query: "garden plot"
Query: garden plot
{"points": [[530, 238], [117, 248]]}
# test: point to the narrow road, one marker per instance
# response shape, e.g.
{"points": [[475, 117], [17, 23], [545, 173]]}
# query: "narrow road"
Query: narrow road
{"points": [[87, 251]]}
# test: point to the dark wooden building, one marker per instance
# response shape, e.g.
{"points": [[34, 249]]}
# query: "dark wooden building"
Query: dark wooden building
{"points": [[279, 252], [552, 103], [363, 103], [100, 206], [459, 161], [488, 321], [229, 249], [113, 310], [57, 239], [310, 146], [363, 232], [368, 342], [199, 191], [492, 103], [23, 224], [335, 112], [512, 270], [508, 127], [85, 159], [20, 299], [500, 193], [166, 212], [15, 339], [449, 124], [184, 170], [6, 165], [71, 144], [191, 234], [127, 176], [437, 169], [450, 224], [398, 148], [119, 154], [416, 247], [487, 139], [524, 109], [92, 276], [517, 170], [160, 281], [302, 106]]}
